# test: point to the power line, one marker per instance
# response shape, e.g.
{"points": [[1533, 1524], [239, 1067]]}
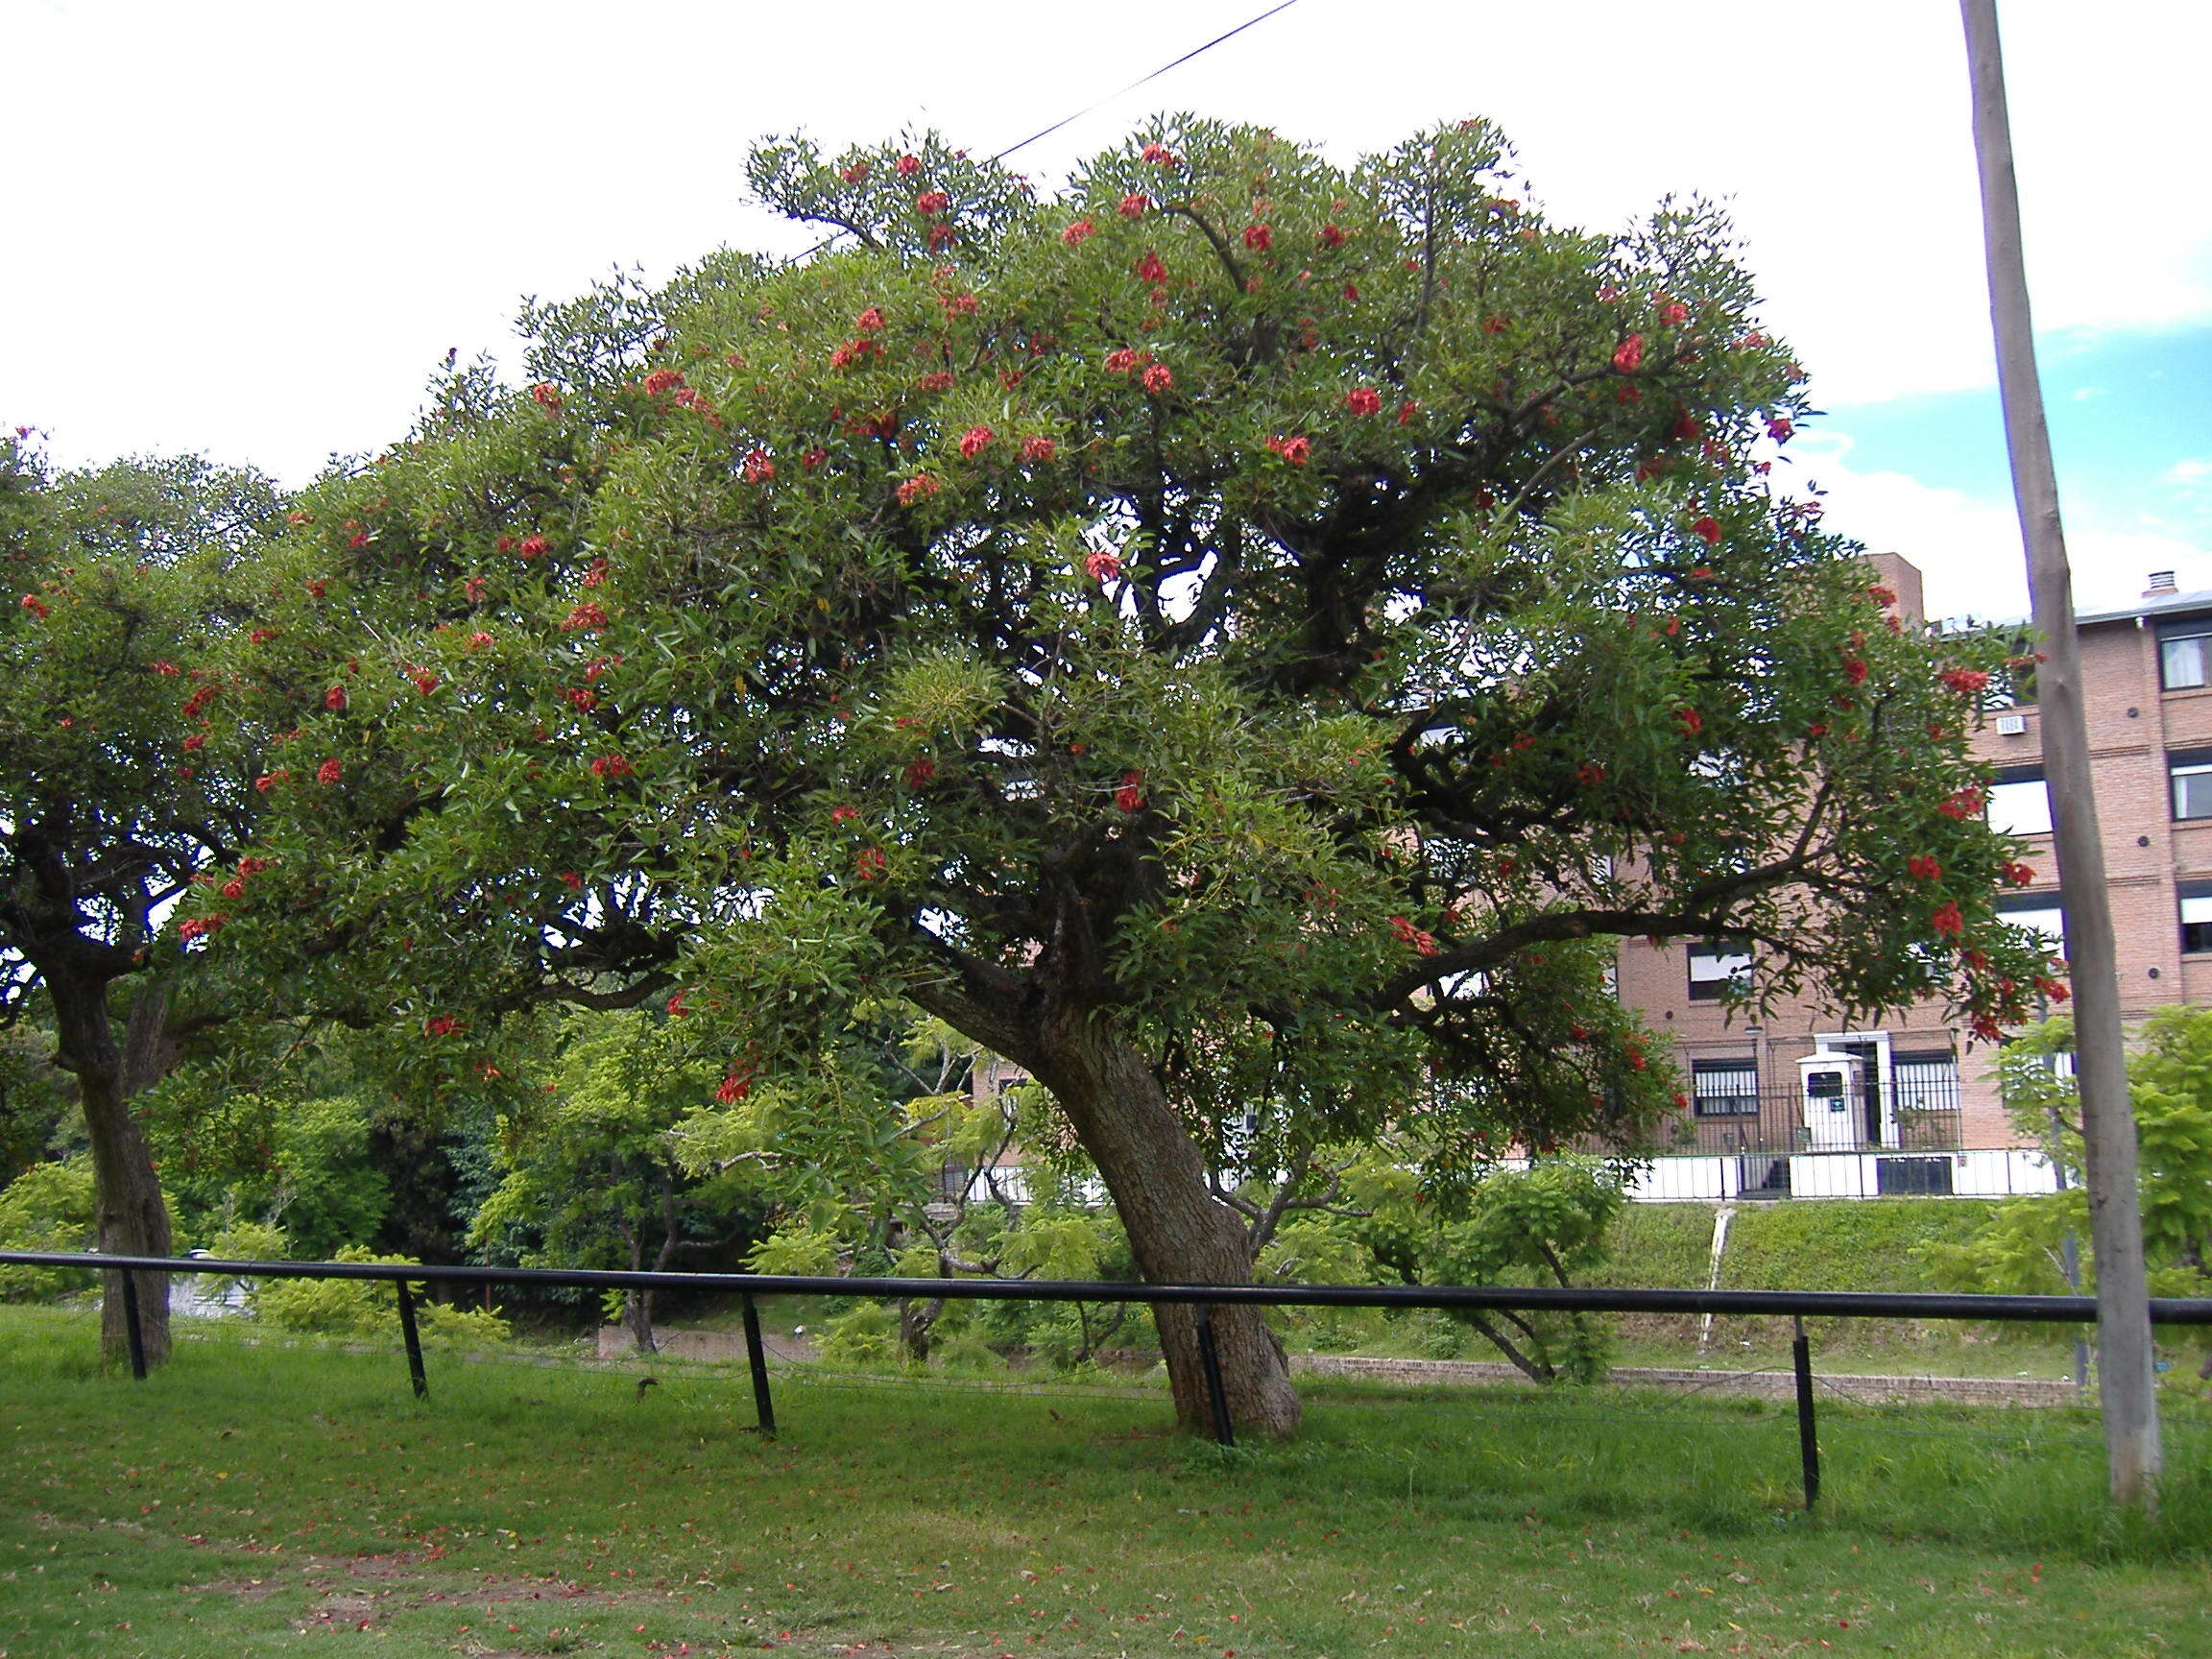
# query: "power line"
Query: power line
{"points": [[1088, 109], [1142, 79]]}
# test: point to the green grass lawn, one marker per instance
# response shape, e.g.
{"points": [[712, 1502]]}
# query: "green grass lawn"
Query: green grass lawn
{"points": [[260, 1499]]}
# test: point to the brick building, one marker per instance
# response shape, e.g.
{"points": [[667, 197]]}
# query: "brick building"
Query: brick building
{"points": [[1799, 1104]]}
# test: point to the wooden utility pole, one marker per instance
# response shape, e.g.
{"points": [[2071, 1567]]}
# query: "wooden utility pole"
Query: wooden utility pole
{"points": [[2126, 1379]]}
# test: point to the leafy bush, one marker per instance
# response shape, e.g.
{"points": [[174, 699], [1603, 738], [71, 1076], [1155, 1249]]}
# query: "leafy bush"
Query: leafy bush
{"points": [[48, 1207], [864, 1334], [366, 1308]]}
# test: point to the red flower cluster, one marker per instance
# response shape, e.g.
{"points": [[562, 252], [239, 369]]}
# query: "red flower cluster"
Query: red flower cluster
{"points": [[1672, 312], [1332, 236], [1295, 450], [1690, 720], [1259, 238], [547, 396], [1157, 379], [443, 1025], [975, 441], [571, 880], [1421, 941], [1133, 205], [1707, 529], [870, 321], [198, 740], [479, 640], [1151, 268], [1038, 448], [334, 699], [2017, 875], [869, 864], [908, 166], [1964, 804], [1363, 401], [757, 468], [329, 772], [1855, 671], [196, 926], [1882, 596], [1922, 867], [1078, 233], [1628, 356], [921, 773], [734, 1089], [662, 381], [1590, 774], [842, 814], [857, 173], [580, 698], [1779, 428], [1160, 156], [1130, 797], [534, 547], [424, 683], [1964, 680], [1948, 921], [1122, 361], [36, 606], [931, 203], [616, 765], [936, 380], [919, 488], [472, 589], [269, 780], [1408, 411], [1102, 565]]}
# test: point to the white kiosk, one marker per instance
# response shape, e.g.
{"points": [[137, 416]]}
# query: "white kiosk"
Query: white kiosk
{"points": [[1833, 1089]]}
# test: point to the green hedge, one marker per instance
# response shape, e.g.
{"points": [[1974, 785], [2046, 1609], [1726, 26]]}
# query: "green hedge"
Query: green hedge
{"points": [[1854, 1245]]}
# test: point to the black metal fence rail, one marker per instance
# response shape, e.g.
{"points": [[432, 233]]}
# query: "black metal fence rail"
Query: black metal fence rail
{"points": [[1796, 1304]]}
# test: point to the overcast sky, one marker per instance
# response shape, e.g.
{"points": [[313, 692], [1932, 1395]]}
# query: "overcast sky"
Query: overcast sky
{"points": [[253, 230]]}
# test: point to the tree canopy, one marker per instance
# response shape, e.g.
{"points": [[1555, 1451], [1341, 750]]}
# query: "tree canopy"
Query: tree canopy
{"points": [[1241, 636]]}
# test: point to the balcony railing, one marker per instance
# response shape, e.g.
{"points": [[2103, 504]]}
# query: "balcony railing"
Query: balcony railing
{"points": [[1924, 1118]]}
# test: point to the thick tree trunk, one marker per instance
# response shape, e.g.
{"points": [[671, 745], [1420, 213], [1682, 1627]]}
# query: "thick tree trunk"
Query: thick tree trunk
{"points": [[133, 1217], [1181, 1235]]}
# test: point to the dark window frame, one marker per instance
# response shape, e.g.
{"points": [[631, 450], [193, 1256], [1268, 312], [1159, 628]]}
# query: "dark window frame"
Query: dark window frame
{"points": [[2173, 633], [1733, 1103], [2196, 936], [1711, 989]]}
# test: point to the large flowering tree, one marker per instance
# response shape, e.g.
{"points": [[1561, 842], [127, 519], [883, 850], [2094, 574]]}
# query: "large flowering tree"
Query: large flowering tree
{"points": [[1241, 637], [113, 796]]}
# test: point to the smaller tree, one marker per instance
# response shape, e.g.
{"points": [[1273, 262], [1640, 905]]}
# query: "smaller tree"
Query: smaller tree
{"points": [[2022, 1250], [592, 1171], [1545, 1224], [114, 792]]}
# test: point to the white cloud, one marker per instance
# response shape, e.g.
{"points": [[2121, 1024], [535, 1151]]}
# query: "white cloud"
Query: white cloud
{"points": [[250, 226], [1969, 551]]}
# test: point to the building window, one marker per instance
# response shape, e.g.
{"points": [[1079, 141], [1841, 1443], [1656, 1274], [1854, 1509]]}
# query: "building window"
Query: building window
{"points": [[1927, 1082], [2191, 772], [2038, 912], [2196, 916], [2185, 654], [2020, 803], [1718, 968], [1725, 1088]]}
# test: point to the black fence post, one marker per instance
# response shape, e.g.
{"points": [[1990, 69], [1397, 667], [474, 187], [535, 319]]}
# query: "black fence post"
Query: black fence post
{"points": [[413, 1339], [1210, 1358], [134, 1332], [1808, 1443], [757, 1356]]}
